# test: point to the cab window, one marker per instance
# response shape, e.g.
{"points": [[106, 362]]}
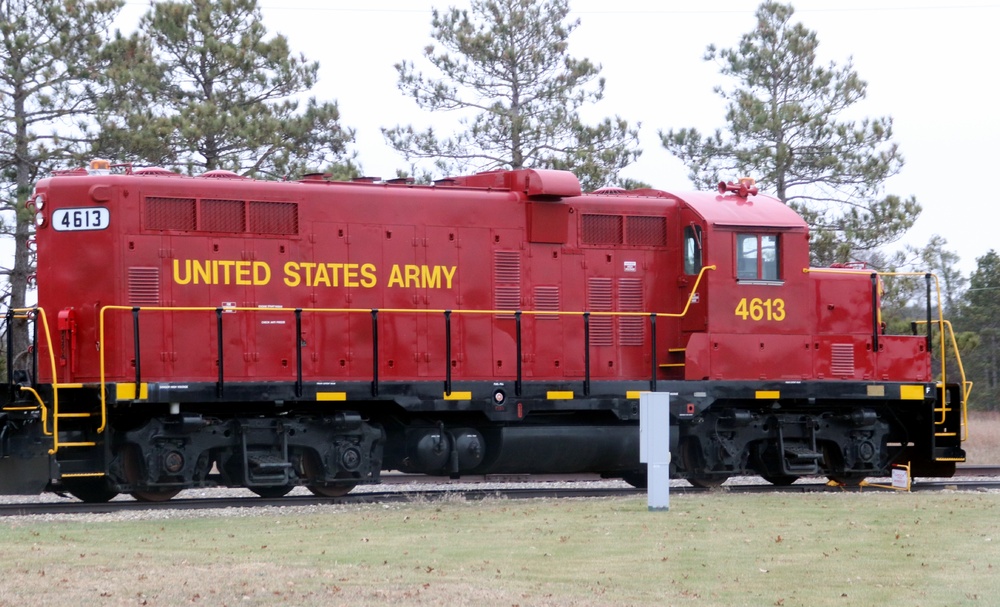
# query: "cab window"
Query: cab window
{"points": [[692, 249], [757, 257]]}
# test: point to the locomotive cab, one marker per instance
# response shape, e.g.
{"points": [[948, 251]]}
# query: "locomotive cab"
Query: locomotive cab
{"points": [[755, 294], [787, 369]]}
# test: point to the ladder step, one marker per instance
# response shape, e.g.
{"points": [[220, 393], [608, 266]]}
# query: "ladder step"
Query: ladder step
{"points": [[949, 454], [266, 463], [62, 415], [670, 365], [801, 452], [82, 474]]}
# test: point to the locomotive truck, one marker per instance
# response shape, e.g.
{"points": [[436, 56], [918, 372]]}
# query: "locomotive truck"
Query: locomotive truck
{"points": [[219, 330]]}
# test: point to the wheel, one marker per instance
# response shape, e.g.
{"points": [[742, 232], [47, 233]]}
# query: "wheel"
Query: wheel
{"points": [[155, 495], [708, 482], [639, 480], [272, 492], [133, 465], [848, 479], [331, 490], [780, 480], [691, 459], [312, 470], [91, 490], [835, 461]]}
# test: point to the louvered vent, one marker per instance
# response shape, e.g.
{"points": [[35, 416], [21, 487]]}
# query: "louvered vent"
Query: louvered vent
{"points": [[631, 329], [602, 229], [223, 216], [842, 359], [599, 300], [170, 214], [144, 286], [547, 300], [506, 281], [274, 218], [646, 231]]}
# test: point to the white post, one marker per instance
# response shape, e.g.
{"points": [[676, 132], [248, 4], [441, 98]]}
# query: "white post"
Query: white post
{"points": [[654, 447]]}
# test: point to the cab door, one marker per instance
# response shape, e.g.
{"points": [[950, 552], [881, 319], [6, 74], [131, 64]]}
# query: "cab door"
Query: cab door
{"points": [[693, 255]]}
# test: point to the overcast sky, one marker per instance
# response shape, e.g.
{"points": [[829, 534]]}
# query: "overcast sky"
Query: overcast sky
{"points": [[929, 65]]}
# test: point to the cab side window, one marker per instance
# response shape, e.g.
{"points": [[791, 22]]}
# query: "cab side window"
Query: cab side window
{"points": [[692, 250], [757, 257]]}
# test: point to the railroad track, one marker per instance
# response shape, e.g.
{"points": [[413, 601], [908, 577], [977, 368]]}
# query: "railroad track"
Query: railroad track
{"points": [[968, 478]]}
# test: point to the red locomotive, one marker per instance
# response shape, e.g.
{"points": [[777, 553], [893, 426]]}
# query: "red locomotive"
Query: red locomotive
{"points": [[218, 330]]}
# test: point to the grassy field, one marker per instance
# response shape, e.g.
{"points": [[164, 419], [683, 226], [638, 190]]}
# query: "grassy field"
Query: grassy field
{"points": [[877, 547], [983, 446], [871, 548]]}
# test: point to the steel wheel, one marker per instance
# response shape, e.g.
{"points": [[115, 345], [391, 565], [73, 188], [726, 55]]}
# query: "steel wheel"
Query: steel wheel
{"points": [[639, 480], [133, 467], [331, 490], [312, 469], [780, 480], [708, 482], [91, 490], [691, 459], [272, 492], [848, 479]]}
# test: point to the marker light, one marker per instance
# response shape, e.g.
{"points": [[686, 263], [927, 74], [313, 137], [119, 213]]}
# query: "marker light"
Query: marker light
{"points": [[99, 166]]}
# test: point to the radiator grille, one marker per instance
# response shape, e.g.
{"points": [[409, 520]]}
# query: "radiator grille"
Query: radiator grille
{"points": [[602, 229], [223, 216], [547, 300], [506, 281], [170, 214], [842, 359], [631, 329], [599, 297], [646, 231], [274, 218], [214, 215], [144, 286]]}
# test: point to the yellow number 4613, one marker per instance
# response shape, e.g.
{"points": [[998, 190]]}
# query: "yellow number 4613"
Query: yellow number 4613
{"points": [[761, 309]]}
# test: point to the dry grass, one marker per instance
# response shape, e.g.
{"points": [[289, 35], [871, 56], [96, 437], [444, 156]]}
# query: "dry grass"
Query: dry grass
{"points": [[716, 549], [983, 446]]}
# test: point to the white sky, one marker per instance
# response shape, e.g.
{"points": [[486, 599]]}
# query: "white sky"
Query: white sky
{"points": [[929, 65]]}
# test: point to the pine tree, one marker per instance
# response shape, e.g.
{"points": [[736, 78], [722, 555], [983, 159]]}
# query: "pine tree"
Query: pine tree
{"points": [[783, 130], [52, 62], [209, 89], [981, 314], [505, 69]]}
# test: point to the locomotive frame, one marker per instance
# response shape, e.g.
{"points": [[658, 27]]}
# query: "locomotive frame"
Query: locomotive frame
{"points": [[192, 331]]}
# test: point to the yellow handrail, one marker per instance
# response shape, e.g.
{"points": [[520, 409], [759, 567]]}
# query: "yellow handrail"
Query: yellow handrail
{"points": [[101, 348], [966, 385], [40, 312], [41, 405]]}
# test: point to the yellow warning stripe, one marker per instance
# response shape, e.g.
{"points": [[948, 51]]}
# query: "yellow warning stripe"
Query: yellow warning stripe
{"points": [[331, 396]]}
